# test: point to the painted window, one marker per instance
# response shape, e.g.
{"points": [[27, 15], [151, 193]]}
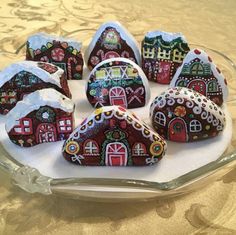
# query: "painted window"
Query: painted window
{"points": [[148, 53], [139, 149], [101, 74], [163, 54], [212, 86], [178, 56], [160, 118], [8, 97], [116, 73], [181, 83], [23, 127], [91, 147], [64, 125], [132, 72], [195, 126], [197, 69]]}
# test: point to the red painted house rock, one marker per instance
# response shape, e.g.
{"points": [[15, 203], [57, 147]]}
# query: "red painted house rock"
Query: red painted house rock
{"points": [[162, 54], [22, 78], [112, 136], [111, 40], [42, 116], [183, 115], [199, 73], [118, 81], [62, 52]]}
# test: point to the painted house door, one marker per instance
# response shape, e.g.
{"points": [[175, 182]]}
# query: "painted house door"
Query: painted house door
{"points": [[46, 133], [198, 85], [116, 154], [164, 72], [118, 97], [177, 130]]}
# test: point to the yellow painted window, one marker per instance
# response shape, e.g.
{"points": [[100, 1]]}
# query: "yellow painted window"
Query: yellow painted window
{"points": [[100, 74], [116, 73], [131, 72]]}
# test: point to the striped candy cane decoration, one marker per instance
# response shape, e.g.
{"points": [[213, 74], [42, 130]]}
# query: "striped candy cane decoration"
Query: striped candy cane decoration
{"points": [[69, 66]]}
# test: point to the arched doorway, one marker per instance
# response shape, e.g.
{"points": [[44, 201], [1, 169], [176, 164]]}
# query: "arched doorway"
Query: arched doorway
{"points": [[116, 154], [177, 130], [117, 96], [198, 85], [46, 132]]}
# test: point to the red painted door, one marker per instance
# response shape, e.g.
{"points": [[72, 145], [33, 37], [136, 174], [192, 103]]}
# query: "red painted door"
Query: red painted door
{"points": [[118, 97], [164, 72], [46, 133], [198, 85], [116, 154], [177, 130]]}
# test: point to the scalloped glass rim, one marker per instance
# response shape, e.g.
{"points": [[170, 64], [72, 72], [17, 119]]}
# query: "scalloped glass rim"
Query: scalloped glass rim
{"points": [[30, 179]]}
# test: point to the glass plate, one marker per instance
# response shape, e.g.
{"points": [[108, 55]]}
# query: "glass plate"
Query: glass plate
{"points": [[30, 179]]}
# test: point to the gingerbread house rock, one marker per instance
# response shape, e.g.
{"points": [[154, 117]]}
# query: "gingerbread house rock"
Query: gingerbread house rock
{"points": [[22, 78], [118, 81], [42, 116], [198, 72], [183, 115], [111, 40], [64, 53], [111, 136], [162, 54]]}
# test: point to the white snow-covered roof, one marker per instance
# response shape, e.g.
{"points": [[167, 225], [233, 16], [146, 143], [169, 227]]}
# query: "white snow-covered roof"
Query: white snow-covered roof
{"points": [[202, 56], [121, 114], [134, 65], [179, 94], [125, 34], [39, 39], [31, 67], [166, 36], [35, 100]]}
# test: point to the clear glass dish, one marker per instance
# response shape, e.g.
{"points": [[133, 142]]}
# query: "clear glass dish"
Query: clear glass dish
{"points": [[30, 179]]}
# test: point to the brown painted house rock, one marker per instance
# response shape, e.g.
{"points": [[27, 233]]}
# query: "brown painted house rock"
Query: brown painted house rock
{"points": [[22, 78], [198, 72], [183, 115], [162, 54], [62, 52], [42, 116], [111, 40], [112, 136]]}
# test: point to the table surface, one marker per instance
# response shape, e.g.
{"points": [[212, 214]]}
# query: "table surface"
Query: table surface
{"points": [[211, 210]]}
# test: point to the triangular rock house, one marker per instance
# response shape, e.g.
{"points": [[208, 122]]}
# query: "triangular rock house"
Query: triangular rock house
{"points": [[42, 116], [111, 40], [112, 136], [22, 78], [198, 72]]}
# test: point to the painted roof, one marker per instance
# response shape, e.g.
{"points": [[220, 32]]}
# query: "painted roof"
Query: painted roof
{"points": [[202, 56], [120, 113], [35, 100], [166, 36], [179, 94], [39, 39], [31, 67], [128, 62], [125, 34]]}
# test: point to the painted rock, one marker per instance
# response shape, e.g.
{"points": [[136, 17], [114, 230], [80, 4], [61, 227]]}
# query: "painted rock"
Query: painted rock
{"points": [[22, 78], [199, 73], [112, 136], [162, 54], [62, 52], [118, 81], [183, 115], [42, 116], [111, 40]]}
